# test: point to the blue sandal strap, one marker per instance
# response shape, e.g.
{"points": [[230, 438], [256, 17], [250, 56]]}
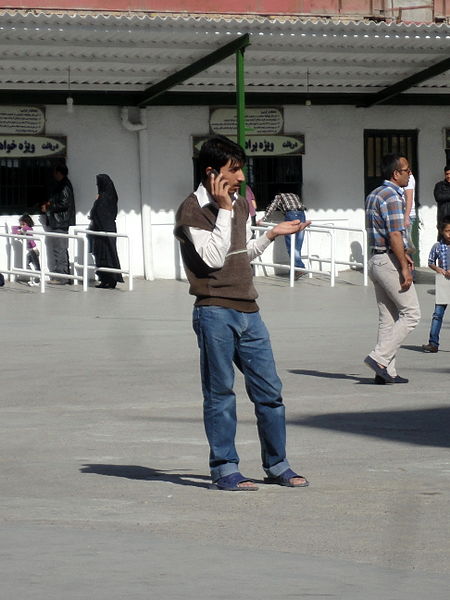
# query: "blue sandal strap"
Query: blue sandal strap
{"points": [[231, 482]]}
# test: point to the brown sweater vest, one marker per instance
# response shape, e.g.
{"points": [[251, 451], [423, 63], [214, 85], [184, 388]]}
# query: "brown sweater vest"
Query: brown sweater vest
{"points": [[231, 286]]}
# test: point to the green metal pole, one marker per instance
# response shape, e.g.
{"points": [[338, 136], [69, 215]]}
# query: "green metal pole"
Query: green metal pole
{"points": [[240, 103]]}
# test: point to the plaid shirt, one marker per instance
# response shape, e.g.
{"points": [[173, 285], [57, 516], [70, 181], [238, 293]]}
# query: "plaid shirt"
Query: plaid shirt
{"points": [[439, 253], [284, 202], [385, 209]]}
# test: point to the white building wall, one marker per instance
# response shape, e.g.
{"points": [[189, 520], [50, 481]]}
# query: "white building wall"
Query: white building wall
{"points": [[170, 131], [97, 143], [333, 169]]}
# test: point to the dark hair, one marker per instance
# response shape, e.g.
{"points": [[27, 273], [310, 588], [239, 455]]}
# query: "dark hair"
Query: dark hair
{"points": [[27, 219], [441, 226], [390, 163], [61, 168], [447, 168], [217, 151]]}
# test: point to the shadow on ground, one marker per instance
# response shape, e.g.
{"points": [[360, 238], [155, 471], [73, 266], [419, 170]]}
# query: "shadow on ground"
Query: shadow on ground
{"points": [[329, 375], [147, 474], [420, 349], [425, 427]]}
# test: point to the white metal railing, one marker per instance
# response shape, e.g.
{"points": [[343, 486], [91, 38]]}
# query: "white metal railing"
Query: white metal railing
{"points": [[39, 236], [330, 231], [11, 270], [87, 232]]}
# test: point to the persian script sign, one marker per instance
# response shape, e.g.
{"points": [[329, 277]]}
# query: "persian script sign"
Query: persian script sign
{"points": [[29, 120], [258, 121], [29, 146], [266, 145]]}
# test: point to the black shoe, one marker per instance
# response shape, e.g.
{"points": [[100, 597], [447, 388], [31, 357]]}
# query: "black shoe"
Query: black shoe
{"points": [[430, 348], [379, 369], [104, 286], [397, 379]]}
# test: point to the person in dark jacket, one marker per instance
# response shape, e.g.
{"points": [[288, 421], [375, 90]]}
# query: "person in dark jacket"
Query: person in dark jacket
{"points": [[442, 196], [59, 216], [103, 218]]}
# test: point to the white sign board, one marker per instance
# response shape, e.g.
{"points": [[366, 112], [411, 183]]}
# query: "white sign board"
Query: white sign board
{"points": [[29, 146], [258, 121], [266, 145], [28, 120], [442, 289]]}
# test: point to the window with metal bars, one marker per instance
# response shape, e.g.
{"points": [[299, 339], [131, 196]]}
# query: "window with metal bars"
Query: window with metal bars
{"points": [[268, 176], [25, 184], [377, 143]]}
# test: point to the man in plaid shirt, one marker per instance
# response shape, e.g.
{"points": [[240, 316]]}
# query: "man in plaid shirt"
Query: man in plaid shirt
{"points": [[292, 206], [390, 268]]}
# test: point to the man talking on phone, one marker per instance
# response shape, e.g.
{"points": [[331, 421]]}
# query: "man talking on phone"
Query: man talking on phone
{"points": [[214, 229]]}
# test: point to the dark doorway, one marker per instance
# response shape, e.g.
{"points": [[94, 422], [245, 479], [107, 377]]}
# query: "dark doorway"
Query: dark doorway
{"points": [[25, 184], [269, 175], [377, 143]]}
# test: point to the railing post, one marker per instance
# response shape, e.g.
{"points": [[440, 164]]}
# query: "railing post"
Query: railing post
{"points": [[292, 260], [333, 260], [85, 262], [43, 262], [364, 250], [130, 276]]}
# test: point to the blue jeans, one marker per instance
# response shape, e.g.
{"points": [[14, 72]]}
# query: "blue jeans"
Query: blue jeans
{"points": [[292, 215], [226, 336], [436, 324]]}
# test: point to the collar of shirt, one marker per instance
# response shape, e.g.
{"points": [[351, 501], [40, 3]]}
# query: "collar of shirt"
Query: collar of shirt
{"points": [[392, 185], [204, 197]]}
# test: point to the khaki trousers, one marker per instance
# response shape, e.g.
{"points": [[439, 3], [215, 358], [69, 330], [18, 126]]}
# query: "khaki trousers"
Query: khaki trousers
{"points": [[399, 311]]}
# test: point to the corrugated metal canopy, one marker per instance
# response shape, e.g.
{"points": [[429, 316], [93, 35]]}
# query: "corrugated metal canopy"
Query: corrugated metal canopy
{"points": [[113, 58]]}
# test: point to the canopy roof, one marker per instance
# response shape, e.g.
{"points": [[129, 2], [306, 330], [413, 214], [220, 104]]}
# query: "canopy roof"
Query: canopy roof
{"points": [[116, 58]]}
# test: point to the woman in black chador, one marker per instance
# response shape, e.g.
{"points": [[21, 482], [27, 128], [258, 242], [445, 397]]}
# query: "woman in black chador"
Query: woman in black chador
{"points": [[103, 218]]}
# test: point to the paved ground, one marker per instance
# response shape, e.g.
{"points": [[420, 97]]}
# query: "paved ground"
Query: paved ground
{"points": [[104, 487]]}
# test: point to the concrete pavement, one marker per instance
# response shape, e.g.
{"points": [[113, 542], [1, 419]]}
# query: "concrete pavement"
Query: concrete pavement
{"points": [[104, 479]]}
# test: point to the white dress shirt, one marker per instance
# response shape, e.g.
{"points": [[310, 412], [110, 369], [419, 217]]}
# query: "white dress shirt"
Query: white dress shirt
{"points": [[213, 246]]}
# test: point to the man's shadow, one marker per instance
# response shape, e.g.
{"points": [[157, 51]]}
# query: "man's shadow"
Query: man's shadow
{"points": [[147, 474], [313, 373]]}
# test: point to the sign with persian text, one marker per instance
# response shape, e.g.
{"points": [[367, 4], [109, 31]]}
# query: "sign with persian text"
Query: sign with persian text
{"points": [[28, 120], [265, 145], [259, 121], [31, 146]]}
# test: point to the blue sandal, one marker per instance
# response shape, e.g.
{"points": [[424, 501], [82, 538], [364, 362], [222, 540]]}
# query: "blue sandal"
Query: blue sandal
{"points": [[285, 479], [230, 483]]}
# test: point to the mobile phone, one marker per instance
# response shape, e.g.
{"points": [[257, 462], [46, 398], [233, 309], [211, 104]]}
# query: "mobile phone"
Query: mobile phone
{"points": [[213, 172]]}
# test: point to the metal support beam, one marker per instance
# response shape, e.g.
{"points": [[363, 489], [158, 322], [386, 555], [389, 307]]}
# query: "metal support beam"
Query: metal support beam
{"points": [[401, 86], [240, 103], [117, 98], [197, 67]]}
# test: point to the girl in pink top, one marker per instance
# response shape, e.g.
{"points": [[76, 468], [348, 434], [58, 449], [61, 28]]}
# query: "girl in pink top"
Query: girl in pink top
{"points": [[26, 225]]}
